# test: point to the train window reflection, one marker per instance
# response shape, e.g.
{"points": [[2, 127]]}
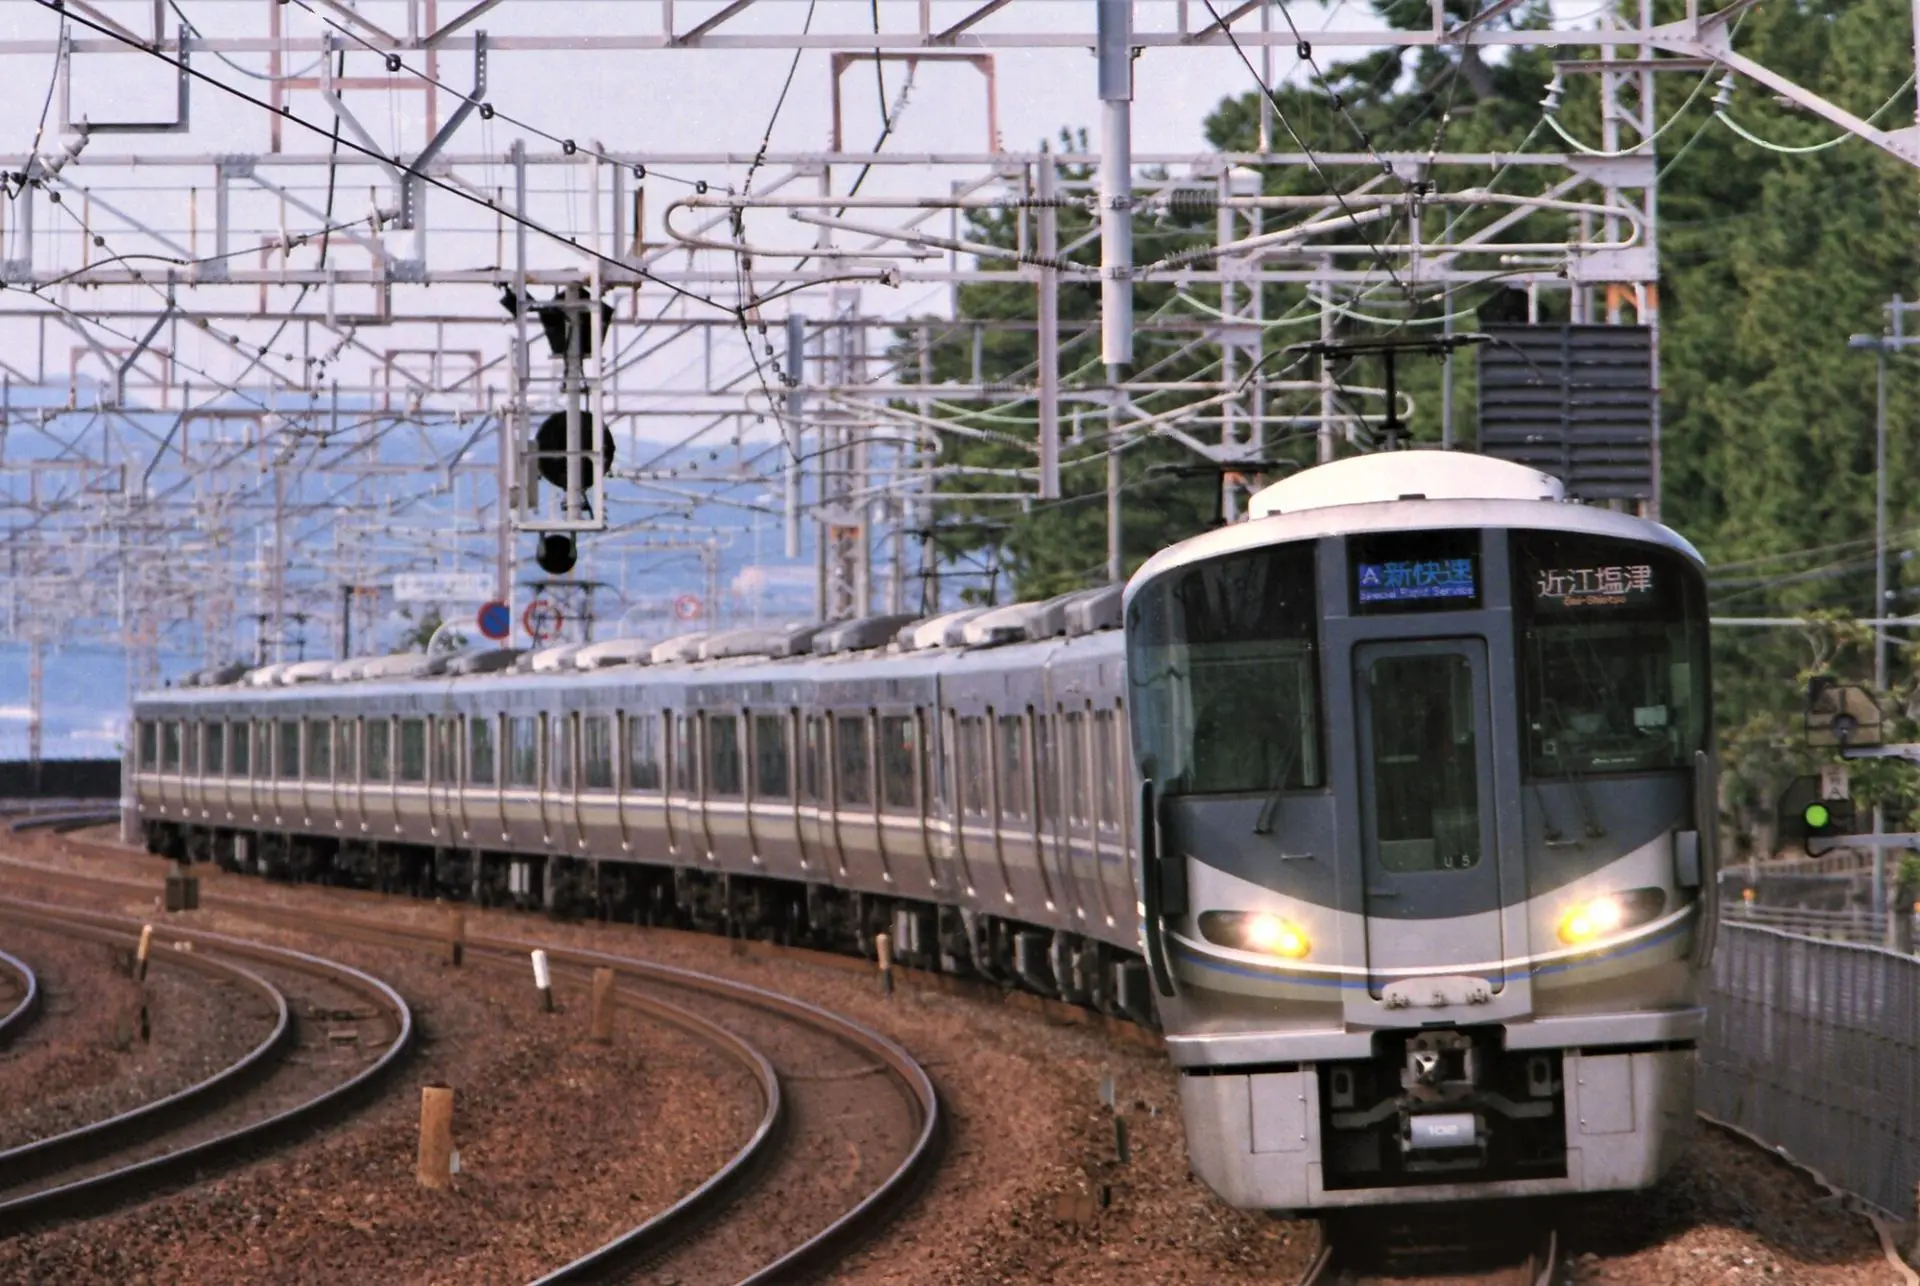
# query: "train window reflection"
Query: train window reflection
{"points": [[1426, 793], [1221, 661], [596, 752], [241, 761], [899, 747], [413, 750], [319, 750], [287, 759], [523, 751], [850, 738], [723, 754], [643, 752], [1612, 654], [480, 751], [770, 756]]}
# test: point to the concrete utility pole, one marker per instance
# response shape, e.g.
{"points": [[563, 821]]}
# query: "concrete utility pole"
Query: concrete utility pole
{"points": [[1114, 53]]}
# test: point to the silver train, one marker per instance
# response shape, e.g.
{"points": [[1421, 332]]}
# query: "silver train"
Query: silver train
{"points": [[1392, 806]]}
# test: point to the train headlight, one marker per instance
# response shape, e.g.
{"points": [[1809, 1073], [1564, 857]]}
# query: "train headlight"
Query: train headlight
{"points": [[1255, 931], [1606, 915]]}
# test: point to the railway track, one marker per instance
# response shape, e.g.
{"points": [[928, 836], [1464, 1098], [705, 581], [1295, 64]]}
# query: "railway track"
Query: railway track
{"points": [[20, 987], [811, 1191], [1445, 1246], [264, 1097]]}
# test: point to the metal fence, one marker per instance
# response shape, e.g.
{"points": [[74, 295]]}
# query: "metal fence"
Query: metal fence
{"points": [[1855, 924], [1814, 1047]]}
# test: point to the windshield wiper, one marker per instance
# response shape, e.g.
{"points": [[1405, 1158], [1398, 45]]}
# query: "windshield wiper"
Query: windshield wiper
{"points": [[1270, 810]]}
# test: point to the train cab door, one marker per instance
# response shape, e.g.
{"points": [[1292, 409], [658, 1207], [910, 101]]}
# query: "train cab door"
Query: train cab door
{"points": [[1430, 868]]}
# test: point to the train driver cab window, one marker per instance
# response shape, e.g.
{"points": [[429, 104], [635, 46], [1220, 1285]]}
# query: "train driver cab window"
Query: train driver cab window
{"points": [[643, 752], [319, 750], [480, 750], [523, 751], [1613, 654], [1222, 666], [413, 750], [723, 754], [286, 760], [170, 746], [850, 757], [899, 749], [240, 762], [596, 751], [379, 750], [770, 759], [149, 745]]}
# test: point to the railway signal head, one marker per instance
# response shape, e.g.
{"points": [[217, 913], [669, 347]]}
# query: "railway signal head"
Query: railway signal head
{"points": [[557, 553], [1816, 817], [1840, 714]]}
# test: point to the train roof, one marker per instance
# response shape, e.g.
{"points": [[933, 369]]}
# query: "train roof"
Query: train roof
{"points": [[1407, 491]]}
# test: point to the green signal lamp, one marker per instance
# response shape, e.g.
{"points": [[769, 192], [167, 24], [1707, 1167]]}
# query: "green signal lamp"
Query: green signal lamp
{"points": [[1817, 816]]}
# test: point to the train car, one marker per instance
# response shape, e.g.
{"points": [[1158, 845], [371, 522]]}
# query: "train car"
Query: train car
{"points": [[1428, 890], [1410, 870]]}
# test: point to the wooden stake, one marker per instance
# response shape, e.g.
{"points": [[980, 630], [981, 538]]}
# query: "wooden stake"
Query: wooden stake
{"points": [[543, 980], [601, 1028], [457, 938], [883, 949], [436, 1136], [140, 956]]}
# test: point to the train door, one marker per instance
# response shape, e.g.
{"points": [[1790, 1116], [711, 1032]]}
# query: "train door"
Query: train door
{"points": [[1432, 879], [673, 783], [1083, 840], [898, 757], [1113, 775], [819, 849], [856, 800]]}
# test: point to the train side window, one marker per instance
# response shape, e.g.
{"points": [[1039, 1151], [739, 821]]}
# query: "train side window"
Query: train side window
{"points": [[971, 734], [933, 766], [770, 756], [319, 750], [1106, 770], [344, 766], [560, 752], [190, 748], [413, 750], [480, 751], [1074, 765], [723, 754], [170, 746], [850, 740], [240, 762], [446, 751], [1015, 798], [899, 748], [1046, 770], [596, 751], [683, 756], [379, 750], [523, 751], [149, 745], [815, 757], [263, 749], [643, 752], [286, 761]]}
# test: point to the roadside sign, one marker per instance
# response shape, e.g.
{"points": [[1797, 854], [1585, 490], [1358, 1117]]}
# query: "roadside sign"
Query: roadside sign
{"points": [[543, 620], [443, 587], [495, 621], [687, 607]]}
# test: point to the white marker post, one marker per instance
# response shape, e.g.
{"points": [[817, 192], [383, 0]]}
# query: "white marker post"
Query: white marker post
{"points": [[140, 955], [543, 979]]}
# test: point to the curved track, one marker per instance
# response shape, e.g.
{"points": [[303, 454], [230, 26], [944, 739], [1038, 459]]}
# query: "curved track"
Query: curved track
{"points": [[61, 1176], [24, 982], [779, 1164]]}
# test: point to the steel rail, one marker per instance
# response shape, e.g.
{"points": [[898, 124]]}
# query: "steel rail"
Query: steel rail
{"points": [[1336, 1263], [659, 1233], [103, 1190], [22, 1015], [90, 1142]]}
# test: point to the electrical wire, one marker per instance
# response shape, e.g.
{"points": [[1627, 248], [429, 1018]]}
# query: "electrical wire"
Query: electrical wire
{"points": [[1784, 149]]}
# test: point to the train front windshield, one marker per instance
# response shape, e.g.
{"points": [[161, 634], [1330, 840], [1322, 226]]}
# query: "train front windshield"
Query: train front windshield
{"points": [[1223, 666], [1613, 651]]}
